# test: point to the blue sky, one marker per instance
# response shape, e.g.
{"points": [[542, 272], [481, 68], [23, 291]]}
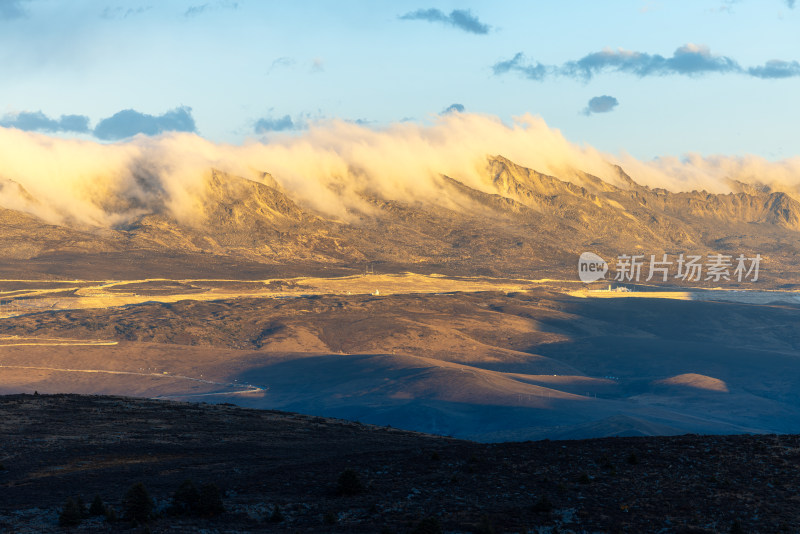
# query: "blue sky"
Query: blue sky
{"points": [[643, 77]]}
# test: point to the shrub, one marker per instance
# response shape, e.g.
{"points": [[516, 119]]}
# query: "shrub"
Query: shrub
{"points": [[185, 500], [188, 500], [542, 505], [633, 459], [97, 507], [210, 502], [349, 483], [137, 506], [485, 526], [428, 525], [70, 515], [276, 516]]}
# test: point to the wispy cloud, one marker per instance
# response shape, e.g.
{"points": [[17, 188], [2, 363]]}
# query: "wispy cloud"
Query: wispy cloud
{"points": [[650, 6], [37, 121], [198, 9], [600, 104], [453, 108], [129, 122], [193, 11], [790, 3], [687, 60], [12, 9], [458, 18], [283, 61], [122, 13], [518, 63], [269, 124], [776, 69], [121, 125]]}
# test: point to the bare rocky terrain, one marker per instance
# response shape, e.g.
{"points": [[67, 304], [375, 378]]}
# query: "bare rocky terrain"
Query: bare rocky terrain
{"points": [[69, 446]]}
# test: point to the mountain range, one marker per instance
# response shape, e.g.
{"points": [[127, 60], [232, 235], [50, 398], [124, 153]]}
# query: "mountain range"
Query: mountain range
{"points": [[519, 222]]}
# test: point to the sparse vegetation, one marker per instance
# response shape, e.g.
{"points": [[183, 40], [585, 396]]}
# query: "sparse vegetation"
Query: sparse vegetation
{"points": [[404, 486]]}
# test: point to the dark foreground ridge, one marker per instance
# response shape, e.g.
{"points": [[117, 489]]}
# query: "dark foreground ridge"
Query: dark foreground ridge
{"points": [[285, 472]]}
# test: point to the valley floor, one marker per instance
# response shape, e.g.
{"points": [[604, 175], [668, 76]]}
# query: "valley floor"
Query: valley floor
{"points": [[476, 358]]}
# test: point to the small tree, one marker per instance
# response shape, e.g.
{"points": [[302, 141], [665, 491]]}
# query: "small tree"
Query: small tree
{"points": [[70, 515], [137, 505], [97, 507], [82, 507], [111, 514]]}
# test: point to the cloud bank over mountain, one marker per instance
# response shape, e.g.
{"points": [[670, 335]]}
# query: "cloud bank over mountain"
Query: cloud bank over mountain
{"points": [[330, 167]]}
